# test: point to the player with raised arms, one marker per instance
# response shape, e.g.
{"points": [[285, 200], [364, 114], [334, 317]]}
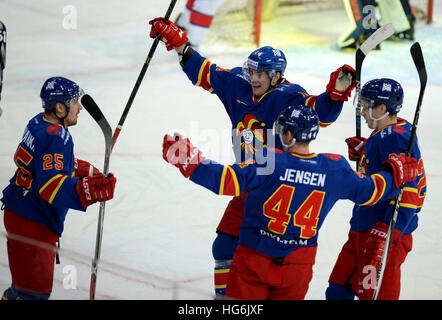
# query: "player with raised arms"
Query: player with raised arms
{"points": [[253, 96], [284, 210]]}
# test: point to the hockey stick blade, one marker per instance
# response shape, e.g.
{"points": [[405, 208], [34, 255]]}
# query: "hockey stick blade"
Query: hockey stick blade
{"points": [[2, 54], [419, 62], [418, 59], [372, 42], [381, 34], [93, 109], [91, 106]]}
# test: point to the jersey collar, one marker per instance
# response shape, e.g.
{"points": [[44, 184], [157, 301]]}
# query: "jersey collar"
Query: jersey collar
{"points": [[399, 122]]}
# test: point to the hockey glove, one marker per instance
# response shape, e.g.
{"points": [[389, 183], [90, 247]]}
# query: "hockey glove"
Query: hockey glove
{"points": [[375, 245], [96, 189], [83, 169], [172, 35], [342, 82], [355, 147], [181, 153], [402, 168]]}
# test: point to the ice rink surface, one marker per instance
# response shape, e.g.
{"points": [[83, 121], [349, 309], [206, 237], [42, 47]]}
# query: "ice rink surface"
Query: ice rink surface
{"points": [[158, 231]]}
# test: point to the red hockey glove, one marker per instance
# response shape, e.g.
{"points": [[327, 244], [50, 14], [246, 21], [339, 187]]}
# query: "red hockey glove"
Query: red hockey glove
{"points": [[402, 168], [96, 189], [375, 245], [83, 169], [171, 34], [355, 147], [342, 82], [181, 153]]}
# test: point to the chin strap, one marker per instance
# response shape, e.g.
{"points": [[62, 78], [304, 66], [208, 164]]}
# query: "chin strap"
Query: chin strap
{"points": [[287, 146], [62, 119], [375, 120]]}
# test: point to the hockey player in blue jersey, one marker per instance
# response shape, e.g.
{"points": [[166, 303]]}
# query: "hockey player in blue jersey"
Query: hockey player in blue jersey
{"points": [[285, 209], [253, 96], [48, 181], [381, 102]]}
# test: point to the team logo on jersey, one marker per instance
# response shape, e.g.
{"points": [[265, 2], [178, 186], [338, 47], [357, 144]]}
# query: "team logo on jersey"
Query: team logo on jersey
{"points": [[399, 129], [54, 129], [333, 156], [252, 133]]}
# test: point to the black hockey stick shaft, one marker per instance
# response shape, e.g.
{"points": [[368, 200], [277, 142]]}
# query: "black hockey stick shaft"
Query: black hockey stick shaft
{"points": [[2, 53], [98, 116], [372, 42], [140, 78], [416, 53]]}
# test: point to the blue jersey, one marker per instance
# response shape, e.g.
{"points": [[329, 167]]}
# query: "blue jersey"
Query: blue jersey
{"points": [[286, 208], [392, 139], [252, 117], [43, 186]]}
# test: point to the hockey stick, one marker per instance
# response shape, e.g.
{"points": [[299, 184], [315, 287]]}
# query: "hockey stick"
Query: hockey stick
{"points": [[140, 78], [2, 53], [98, 116], [372, 42], [416, 53]]}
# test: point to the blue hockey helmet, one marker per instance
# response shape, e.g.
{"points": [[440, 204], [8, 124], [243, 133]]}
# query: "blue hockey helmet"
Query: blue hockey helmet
{"points": [[59, 89], [386, 91], [267, 59], [302, 121]]}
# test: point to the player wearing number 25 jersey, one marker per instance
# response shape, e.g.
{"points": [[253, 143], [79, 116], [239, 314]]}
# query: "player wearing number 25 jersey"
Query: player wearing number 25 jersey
{"points": [[285, 209], [47, 182]]}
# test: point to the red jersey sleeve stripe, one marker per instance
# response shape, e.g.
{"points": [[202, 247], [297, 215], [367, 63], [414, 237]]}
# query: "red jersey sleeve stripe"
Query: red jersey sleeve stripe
{"points": [[229, 185], [204, 76], [50, 189], [324, 124], [409, 198], [311, 102], [379, 189]]}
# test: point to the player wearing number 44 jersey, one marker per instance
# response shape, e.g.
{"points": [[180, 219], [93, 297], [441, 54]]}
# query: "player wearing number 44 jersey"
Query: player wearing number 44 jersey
{"points": [[48, 181], [285, 209], [253, 96]]}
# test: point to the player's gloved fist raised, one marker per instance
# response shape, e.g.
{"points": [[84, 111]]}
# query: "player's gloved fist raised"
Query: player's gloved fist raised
{"points": [[83, 169], [355, 147], [171, 34], [181, 153], [402, 168], [96, 189], [342, 82]]}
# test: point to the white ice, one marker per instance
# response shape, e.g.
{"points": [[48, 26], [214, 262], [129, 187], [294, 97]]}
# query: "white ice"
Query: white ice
{"points": [[158, 231]]}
